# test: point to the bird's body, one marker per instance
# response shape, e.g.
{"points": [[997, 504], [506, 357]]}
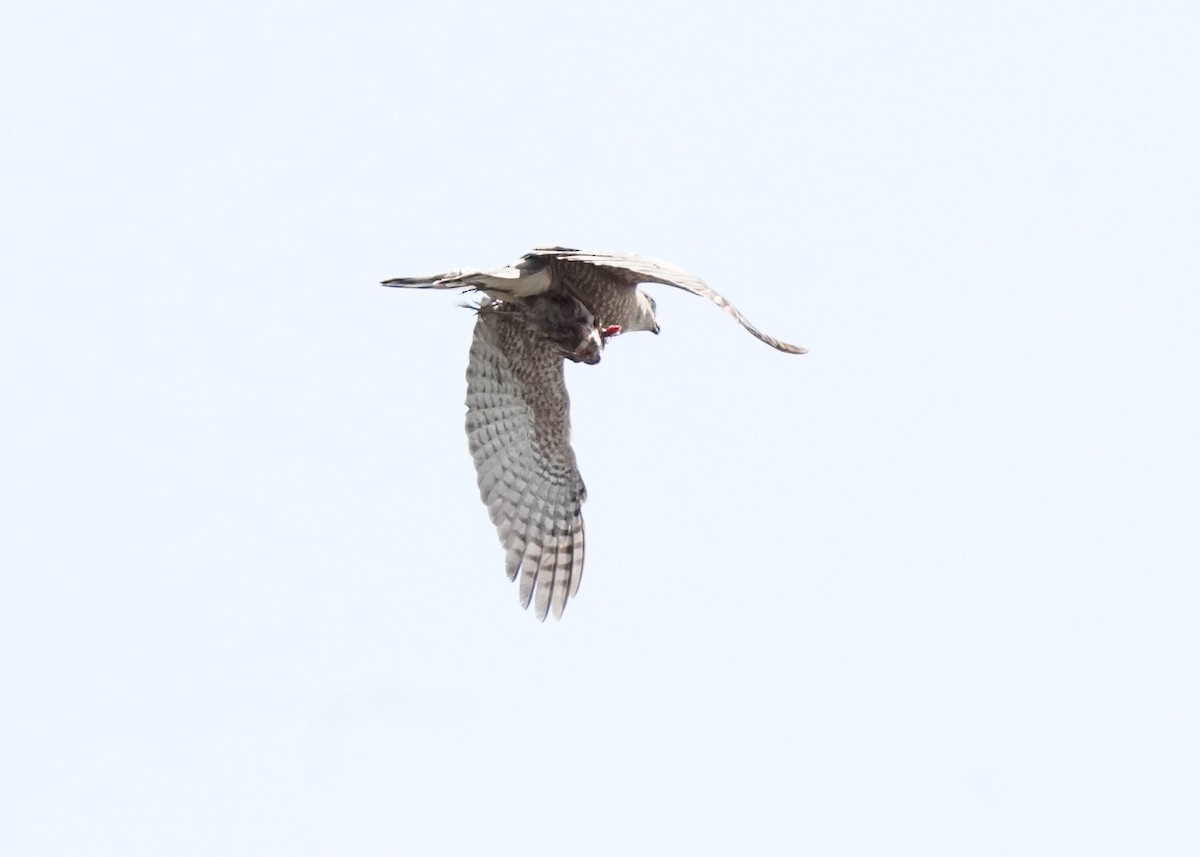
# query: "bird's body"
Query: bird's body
{"points": [[562, 320], [553, 304]]}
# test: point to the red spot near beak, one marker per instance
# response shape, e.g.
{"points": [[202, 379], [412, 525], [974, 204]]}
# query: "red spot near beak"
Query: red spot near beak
{"points": [[611, 330]]}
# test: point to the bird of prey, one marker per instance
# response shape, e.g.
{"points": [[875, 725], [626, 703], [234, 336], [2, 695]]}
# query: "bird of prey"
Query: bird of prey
{"points": [[553, 304]]}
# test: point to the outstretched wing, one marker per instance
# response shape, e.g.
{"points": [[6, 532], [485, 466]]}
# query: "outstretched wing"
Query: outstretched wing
{"points": [[518, 428], [641, 269]]}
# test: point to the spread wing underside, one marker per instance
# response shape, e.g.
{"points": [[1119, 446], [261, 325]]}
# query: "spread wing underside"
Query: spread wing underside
{"points": [[518, 429]]}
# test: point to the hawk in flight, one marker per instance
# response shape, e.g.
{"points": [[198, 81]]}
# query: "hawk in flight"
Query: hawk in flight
{"points": [[553, 304]]}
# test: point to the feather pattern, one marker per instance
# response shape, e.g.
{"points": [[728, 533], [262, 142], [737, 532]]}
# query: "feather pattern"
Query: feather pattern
{"points": [[518, 431], [551, 305]]}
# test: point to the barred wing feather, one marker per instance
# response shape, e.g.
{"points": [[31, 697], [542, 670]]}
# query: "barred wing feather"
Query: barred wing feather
{"points": [[518, 430]]}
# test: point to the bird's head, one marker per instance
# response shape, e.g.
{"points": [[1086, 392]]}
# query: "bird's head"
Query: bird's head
{"points": [[647, 316]]}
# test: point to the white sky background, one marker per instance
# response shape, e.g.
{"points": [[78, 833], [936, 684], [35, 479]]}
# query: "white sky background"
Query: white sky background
{"points": [[930, 589]]}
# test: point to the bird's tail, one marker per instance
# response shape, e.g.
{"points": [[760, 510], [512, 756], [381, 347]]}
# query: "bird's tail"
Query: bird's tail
{"points": [[448, 280], [501, 283]]}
